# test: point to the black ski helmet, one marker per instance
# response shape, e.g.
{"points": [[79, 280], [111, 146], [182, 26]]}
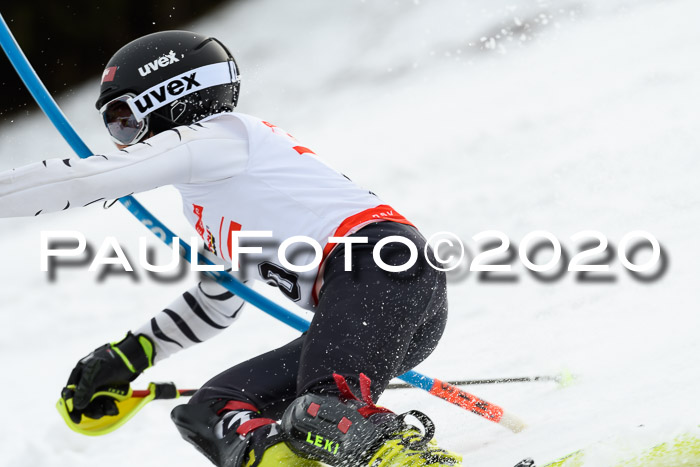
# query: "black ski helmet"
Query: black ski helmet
{"points": [[167, 79]]}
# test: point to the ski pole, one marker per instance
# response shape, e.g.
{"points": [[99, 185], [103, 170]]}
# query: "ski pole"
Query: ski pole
{"points": [[180, 392], [470, 382], [461, 382], [131, 403], [444, 390], [436, 387]]}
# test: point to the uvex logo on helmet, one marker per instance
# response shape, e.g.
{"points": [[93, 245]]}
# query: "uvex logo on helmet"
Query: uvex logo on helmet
{"points": [[181, 85], [166, 92], [162, 62]]}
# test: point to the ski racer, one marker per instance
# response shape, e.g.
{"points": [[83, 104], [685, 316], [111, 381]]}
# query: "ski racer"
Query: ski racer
{"points": [[167, 100]]}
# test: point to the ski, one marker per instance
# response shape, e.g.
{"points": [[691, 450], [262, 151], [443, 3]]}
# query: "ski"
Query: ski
{"points": [[682, 450]]}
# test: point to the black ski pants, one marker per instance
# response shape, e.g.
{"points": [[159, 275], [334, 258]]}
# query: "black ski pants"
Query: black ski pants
{"points": [[367, 321]]}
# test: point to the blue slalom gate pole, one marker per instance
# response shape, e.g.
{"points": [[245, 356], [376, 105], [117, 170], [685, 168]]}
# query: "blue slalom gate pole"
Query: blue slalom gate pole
{"points": [[59, 120], [53, 112]]}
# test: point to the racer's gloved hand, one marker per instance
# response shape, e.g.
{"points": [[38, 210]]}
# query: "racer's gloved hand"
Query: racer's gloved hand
{"points": [[106, 370]]}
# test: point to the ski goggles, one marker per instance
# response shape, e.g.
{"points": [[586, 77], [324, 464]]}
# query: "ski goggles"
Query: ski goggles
{"points": [[126, 117], [122, 124]]}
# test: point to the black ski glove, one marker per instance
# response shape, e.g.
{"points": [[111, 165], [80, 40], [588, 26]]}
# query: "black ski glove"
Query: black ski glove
{"points": [[110, 369]]}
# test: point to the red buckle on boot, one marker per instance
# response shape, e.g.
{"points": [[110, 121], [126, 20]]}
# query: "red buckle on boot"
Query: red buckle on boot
{"points": [[237, 405], [253, 424], [365, 383]]}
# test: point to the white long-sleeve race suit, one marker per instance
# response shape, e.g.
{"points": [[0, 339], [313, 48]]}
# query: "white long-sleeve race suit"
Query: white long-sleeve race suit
{"points": [[235, 173]]}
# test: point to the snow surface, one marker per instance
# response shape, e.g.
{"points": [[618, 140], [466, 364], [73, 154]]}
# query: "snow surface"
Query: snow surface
{"points": [[465, 116]]}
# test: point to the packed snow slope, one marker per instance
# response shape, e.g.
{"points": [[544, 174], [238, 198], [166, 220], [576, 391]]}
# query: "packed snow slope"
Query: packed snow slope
{"points": [[465, 116]]}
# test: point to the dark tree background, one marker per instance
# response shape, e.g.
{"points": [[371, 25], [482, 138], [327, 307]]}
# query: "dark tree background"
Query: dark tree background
{"points": [[70, 41]]}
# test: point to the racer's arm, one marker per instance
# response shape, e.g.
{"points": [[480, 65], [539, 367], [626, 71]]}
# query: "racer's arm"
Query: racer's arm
{"points": [[182, 155], [197, 315]]}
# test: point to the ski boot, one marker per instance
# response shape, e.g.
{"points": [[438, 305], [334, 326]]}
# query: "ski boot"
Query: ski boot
{"points": [[232, 434], [345, 431]]}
